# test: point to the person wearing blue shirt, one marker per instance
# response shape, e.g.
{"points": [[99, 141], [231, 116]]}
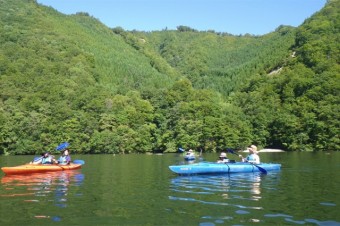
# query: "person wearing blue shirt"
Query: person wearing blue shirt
{"points": [[65, 158], [253, 156], [46, 158]]}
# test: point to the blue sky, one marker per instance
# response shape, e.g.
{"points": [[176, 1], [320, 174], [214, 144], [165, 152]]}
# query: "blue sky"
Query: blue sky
{"points": [[255, 17]]}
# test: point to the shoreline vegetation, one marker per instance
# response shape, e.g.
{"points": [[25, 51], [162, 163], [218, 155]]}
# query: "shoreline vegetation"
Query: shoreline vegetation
{"points": [[267, 150]]}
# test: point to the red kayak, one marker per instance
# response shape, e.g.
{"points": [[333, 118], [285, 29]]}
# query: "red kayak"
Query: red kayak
{"points": [[39, 168]]}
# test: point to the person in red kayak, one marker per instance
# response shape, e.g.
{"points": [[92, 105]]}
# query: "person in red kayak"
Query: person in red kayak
{"points": [[46, 158], [65, 158]]}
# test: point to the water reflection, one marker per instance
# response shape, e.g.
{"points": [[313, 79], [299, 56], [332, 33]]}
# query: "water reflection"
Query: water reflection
{"points": [[41, 187], [240, 192], [229, 186]]}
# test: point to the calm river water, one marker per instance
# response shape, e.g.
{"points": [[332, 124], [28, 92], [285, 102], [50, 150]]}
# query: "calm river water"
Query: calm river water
{"points": [[141, 190]]}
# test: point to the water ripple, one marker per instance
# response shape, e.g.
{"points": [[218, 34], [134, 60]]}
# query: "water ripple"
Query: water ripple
{"points": [[323, 223], [236, 187], [213, 203], [327, 204]]}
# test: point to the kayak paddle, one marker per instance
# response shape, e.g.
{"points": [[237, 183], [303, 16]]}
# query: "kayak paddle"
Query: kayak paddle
{"points": [[78, 161], [37, 158], [62, 146], [200, 156], [260, 168], [181, 150]]}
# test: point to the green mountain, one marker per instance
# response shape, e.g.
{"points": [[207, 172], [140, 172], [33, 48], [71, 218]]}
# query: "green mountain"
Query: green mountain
{"points": [[218, 61], [106, 90], [298, 108]]}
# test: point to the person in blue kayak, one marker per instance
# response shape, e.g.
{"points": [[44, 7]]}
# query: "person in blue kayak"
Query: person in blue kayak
{"points": [[65, 158], [190, 153], [253, 156], [223, 158]]}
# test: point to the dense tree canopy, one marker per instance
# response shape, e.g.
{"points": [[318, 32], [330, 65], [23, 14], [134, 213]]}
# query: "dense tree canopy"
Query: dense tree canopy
{"points": [[70, 78]]}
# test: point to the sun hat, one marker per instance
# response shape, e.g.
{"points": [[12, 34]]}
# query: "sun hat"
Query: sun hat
{"points": [[223, 155], [253, 148]]}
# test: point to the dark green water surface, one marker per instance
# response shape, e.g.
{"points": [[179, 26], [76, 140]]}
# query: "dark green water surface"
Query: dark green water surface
{"points": [[141, 190]]}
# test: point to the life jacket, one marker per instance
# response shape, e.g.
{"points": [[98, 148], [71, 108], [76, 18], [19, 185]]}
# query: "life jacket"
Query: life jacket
{"points": [[252, 158], [223, 160], [47, 160], [64, 159]]}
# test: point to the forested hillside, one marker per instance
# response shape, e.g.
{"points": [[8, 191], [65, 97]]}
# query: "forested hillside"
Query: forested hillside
{"points": [[106, 90], [216, 61], [298, 108]]}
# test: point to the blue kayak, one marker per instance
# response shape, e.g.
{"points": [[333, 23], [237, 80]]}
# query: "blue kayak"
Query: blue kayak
{"points": [[212, 168]]}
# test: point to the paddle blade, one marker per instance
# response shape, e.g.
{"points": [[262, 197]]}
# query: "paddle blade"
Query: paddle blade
{"points": [[231, 151], [62, 146], [78, 161], [180, 149], [261, 169], [37, 158]]}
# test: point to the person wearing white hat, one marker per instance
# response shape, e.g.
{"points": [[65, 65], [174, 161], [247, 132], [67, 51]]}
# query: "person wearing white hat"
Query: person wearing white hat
{"points": [[223, 158], [190, 153], [253, 156]]}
